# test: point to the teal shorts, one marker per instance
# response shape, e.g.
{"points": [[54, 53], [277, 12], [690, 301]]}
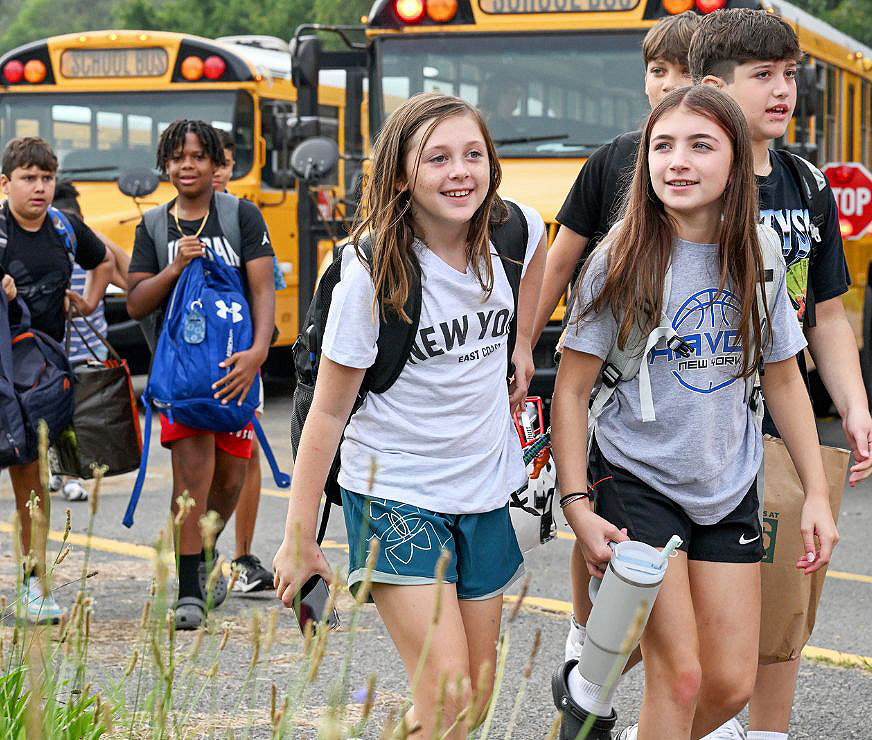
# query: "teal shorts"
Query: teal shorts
{"points": [[485, 557]]}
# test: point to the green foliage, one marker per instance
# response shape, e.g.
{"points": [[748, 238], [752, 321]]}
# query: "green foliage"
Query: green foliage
{"points": [[849, 16], [36, 19], [77, 718]]}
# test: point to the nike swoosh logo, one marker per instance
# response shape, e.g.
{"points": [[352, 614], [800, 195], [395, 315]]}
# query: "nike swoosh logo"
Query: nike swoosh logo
{"points": [[743, 541]]}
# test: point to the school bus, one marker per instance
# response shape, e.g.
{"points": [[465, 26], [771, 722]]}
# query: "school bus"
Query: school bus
{"points": [[102, 99], [558, 78]]}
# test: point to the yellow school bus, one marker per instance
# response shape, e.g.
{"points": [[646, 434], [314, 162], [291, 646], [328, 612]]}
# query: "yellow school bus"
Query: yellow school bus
{"points": [[102, 99], [557, 78]]}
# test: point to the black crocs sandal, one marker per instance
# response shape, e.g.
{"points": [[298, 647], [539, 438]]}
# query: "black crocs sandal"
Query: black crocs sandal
{"points": [[190, 613], [574, 716], [219, 591]]}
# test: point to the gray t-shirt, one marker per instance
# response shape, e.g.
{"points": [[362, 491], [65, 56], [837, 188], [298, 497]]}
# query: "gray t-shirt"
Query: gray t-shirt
{"points": [[704, 448]]}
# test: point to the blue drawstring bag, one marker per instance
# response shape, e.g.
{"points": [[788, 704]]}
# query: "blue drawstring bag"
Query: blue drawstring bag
{"points": [[207, 320]]}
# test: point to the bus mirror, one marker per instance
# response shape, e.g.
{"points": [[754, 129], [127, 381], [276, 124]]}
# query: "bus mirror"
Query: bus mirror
{"points": [[291, 130], [314, 159], [305, 61], [807, 90], [138, 183]]}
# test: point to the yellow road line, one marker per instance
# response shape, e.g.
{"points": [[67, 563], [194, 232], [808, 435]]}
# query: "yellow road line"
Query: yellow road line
{"points": [[836, 657], [839, 575], [146, 552], [117, 547]]}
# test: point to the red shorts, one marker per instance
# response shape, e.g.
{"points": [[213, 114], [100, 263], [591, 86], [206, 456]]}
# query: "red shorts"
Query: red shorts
{"points": [[237, 444]]}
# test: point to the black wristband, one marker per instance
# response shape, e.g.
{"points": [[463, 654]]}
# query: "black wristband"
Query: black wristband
{"points": [[570, 498]]}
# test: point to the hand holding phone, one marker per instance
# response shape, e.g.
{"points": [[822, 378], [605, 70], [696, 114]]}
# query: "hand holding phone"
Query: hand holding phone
{"points": [[311, 602]]}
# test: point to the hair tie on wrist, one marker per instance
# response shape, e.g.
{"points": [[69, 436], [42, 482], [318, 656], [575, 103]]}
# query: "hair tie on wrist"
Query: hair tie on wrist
{"points": [[571, 498]]}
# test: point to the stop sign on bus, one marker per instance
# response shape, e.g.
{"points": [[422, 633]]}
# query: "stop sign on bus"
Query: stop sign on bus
{"points": [[852, 186]]}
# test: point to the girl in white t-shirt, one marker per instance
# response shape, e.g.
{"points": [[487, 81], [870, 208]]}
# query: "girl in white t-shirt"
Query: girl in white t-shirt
{"points": [[684, 458], [440, 440]]}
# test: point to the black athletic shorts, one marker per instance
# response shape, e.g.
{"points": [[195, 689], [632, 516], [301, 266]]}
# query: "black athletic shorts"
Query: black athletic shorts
{"points": [[652, 518]]}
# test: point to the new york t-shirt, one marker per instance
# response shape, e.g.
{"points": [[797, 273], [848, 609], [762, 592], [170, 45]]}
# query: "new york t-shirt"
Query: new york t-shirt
{"points": [[441, 436], [703, 450]]}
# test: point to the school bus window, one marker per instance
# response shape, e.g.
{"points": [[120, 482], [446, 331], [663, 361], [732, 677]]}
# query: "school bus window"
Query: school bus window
{"points": [[849, 138], [820, 117], [96, 135], [864, 122], [832, 130], [502, 74]]}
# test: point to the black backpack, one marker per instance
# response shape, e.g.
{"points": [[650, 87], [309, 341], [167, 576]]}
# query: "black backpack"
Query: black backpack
{"points": [[815, 195], [395, 337]]}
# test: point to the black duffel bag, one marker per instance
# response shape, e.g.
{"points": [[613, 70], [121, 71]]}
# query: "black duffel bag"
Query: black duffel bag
{"points": [[105, 429]]}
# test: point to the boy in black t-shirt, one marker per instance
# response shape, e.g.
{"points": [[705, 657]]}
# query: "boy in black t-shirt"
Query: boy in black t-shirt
{"points": [[752, 56], [590, 209], [210, 466], [596, 197], [37, 266]]}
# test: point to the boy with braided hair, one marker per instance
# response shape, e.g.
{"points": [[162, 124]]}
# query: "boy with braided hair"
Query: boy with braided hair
{"points": [[209, 465]]}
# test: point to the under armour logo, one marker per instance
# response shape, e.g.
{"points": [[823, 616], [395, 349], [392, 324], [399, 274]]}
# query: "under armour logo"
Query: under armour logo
{"points": [[233, 309], [265, 239]]}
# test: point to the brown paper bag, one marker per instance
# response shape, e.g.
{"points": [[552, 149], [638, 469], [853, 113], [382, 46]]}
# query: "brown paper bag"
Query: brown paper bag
{"points": [[790, 598]]}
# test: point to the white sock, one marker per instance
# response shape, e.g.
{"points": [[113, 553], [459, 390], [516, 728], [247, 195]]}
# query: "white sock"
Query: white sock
{"points": [[587, 694], [580, 630], [760, 735]]}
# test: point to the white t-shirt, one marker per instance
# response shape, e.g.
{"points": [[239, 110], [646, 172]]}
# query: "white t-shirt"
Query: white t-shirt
{"points": [[441, 436]]}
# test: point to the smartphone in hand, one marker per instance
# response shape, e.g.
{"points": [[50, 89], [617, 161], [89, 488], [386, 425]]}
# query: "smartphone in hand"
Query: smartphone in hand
{"points": [[310, 603]]}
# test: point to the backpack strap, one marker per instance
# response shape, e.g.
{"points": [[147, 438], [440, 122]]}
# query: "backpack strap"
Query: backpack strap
{"points": [[510, 241], [813, 186], [395, 336], [64, 229], [227, 208], [59, 220], [156, 222], [773, 266]]}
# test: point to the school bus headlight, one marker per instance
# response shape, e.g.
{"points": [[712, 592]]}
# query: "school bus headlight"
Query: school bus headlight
{"points": [[213, 67], [13, 72], [410, 11], [674, 7], [442, 11], [192, 68], [709, 6], [34, 71]]}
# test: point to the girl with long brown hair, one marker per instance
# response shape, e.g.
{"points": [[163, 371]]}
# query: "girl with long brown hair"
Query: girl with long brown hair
{"points": [[681, 456], [427, 466]]}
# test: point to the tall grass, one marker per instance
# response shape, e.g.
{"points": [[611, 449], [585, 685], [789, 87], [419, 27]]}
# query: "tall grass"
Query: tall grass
{"points": [[163, 691]]}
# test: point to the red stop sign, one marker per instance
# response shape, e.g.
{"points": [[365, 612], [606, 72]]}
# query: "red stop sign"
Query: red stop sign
{"points": [[852, 186]]}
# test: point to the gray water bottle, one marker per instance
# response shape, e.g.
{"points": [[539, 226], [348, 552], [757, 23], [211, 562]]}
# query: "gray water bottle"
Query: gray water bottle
{"points": [[632, 580]]}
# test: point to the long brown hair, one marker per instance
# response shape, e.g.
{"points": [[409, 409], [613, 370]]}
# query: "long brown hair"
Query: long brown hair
{"points": [[640, 246], [385, 214]]}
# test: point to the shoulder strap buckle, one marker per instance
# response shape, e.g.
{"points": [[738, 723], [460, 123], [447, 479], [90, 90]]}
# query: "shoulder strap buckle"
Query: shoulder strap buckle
{"points": [[679, 346], [611, 375]]}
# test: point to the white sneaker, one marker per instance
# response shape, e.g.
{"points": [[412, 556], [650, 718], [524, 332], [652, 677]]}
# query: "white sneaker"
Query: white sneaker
{"points": [[40, 609], [55, 483], [73, 490], [574, 641], [629, 733], [730, 730]]}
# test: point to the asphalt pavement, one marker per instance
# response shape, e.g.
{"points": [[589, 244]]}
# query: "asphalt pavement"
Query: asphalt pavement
{"points": [[833, 697]]}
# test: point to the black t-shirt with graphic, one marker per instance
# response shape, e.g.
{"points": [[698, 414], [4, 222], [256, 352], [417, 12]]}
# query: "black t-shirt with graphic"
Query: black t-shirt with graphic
{"points": [[255, 242], [40, 257], [595, 200], [815, 272]]}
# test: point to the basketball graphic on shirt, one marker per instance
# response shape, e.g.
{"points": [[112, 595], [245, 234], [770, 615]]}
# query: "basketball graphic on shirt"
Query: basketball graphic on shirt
{"points": [[706, 322]]}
